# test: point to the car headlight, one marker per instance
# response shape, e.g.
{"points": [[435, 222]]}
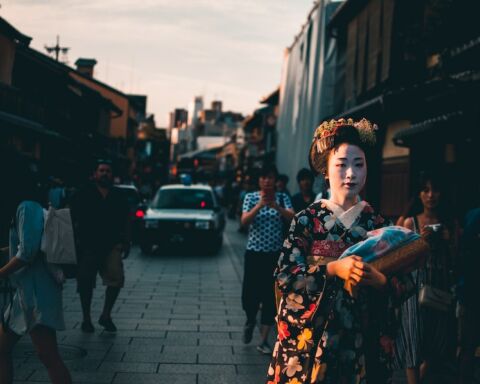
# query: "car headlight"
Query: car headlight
{"points": [[151, 223], [202, 224]]}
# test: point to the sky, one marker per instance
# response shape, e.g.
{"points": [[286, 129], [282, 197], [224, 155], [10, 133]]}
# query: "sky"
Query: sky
{"points": [[171, 50]]}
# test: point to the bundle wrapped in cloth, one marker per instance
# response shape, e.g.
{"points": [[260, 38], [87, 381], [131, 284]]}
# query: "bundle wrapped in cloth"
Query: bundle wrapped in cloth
{"points": [[391, 250]]}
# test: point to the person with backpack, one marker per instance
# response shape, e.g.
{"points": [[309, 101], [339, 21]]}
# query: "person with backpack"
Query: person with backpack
{"points": [[100, 215], [36, 307]]}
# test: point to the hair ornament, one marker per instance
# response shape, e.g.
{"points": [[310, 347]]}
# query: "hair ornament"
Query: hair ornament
{"points": [[324, 137]]}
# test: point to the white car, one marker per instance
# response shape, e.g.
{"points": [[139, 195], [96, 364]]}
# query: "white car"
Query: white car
{"points": [[180, 214]]}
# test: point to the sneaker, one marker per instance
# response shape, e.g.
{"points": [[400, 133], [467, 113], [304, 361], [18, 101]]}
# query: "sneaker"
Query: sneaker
{"points": [[248, 333], [264, 348], [87, 327], [107, 324]]}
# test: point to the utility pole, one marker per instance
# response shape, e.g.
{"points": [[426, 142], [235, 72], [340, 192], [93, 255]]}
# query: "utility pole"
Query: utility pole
{"points": [[57, 49]]}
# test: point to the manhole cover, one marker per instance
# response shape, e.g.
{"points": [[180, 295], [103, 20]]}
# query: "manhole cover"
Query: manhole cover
{"points": [[68, 352]]}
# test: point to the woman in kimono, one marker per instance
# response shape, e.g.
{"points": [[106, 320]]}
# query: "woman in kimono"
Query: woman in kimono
{"points": [[324, 334]]}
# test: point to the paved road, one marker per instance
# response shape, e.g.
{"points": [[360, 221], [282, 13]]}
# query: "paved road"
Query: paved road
{"points": [[179, 319]]}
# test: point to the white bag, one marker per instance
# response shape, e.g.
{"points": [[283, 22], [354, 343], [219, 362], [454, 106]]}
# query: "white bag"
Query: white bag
{"points": [[58, 242]]}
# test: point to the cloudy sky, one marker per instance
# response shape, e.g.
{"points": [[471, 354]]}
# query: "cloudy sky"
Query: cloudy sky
{"points": [[171, 50]]}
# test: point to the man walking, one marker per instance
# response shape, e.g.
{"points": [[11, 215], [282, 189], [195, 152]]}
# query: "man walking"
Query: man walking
{"points": [[101, 219]]}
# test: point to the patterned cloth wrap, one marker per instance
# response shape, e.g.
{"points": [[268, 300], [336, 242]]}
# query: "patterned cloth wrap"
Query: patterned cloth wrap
{"points": [[380, 242]]}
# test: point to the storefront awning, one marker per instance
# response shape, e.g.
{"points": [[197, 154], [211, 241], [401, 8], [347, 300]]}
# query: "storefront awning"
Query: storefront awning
{"points": [[210, 153], [30, 126], [427, 128]]}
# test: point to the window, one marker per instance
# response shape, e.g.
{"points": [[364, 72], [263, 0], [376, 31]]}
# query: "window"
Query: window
{"points": [[183, 199]]}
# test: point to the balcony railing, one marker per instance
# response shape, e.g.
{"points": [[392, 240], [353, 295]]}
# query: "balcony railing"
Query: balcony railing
{"points": [[12, 101]]}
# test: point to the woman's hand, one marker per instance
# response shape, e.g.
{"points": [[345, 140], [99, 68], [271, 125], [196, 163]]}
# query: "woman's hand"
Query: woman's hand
{"points": [[355, 272], [426, 232], [371, 276], [344, 268], [266, 199]]}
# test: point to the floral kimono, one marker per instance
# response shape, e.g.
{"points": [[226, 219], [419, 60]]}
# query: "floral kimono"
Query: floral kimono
{"points": [[325, 335]]}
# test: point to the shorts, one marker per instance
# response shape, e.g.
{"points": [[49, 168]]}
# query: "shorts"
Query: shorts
{"points": [[108, 264]]}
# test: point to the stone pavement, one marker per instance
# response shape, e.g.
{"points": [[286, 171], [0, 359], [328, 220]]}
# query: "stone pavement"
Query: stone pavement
{"points": [[179, 320]]}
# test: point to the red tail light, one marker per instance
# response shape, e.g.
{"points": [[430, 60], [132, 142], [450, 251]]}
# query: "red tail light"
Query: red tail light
{"points": [[203, 204], [140, 214]]}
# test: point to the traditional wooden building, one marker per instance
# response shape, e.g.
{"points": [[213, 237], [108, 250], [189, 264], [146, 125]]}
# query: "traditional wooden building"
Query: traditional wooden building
{"points": [[56, 122], [413, 66]]}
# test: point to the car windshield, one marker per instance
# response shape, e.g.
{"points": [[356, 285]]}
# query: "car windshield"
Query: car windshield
{"points": [[131, 195], [183, 199]]}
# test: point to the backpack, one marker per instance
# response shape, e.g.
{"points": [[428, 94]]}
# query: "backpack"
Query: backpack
{"points": [[58, 243]]}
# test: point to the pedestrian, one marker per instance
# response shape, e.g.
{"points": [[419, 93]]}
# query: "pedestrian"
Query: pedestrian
{"points": [[56, 193], [324, 334], [36, 307], [282, 184], [264, 212], [470, 331], [306, 196], [100, 214], [249, 184], [426, 335]]}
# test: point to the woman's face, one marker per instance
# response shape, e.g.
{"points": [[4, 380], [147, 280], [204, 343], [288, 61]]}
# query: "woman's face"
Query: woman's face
{"points": [[267, 181], [429, 196], [347, 171]]}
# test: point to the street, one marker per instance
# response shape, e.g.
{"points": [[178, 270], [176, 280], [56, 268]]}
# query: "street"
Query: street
{"points": [[179, 320]]}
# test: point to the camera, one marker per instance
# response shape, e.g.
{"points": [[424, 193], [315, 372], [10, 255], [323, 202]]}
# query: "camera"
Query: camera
{"points": [[434, 227]]}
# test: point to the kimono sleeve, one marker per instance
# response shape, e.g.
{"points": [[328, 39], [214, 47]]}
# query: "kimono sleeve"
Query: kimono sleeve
{"points": [[29, 222], [293, 273]]}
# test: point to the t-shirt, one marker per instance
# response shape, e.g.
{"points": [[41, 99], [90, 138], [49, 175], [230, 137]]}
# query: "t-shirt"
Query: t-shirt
{"points": [[266, 231], [100, 222], [299, 204]]}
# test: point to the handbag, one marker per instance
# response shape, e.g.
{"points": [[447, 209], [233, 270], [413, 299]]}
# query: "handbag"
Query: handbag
{"points": [[434, 298], [391, 250]]}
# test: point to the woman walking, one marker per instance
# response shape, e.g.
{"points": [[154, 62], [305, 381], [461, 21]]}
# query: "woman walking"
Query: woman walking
{"points": [[36, 308], [426, 334], [265, 212], [324, 334]]}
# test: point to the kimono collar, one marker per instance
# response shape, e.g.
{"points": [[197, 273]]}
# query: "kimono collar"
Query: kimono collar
{"points": [[348, 217]]}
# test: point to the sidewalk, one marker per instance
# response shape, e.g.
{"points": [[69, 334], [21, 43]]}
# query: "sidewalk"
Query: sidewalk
{"points": [[179, 320]]}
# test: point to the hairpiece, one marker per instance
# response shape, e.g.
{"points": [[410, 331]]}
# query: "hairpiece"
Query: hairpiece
{"points": [[324, 138], [325, 135]]}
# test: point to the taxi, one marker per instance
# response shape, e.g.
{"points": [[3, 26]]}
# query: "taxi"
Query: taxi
{"points": [[183, 215]]}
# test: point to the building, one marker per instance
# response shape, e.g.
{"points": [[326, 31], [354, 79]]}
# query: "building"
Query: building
{"points": [[306, 90], [56, 122], [410, 66], [260, 136], [123, 128], [414, 68]]}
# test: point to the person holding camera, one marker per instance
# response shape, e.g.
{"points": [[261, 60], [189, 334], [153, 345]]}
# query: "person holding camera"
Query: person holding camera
{"points": [[264, 211], [427, 335]]}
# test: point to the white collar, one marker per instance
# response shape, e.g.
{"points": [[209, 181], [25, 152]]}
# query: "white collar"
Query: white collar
{"points": [[348, 217]]}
